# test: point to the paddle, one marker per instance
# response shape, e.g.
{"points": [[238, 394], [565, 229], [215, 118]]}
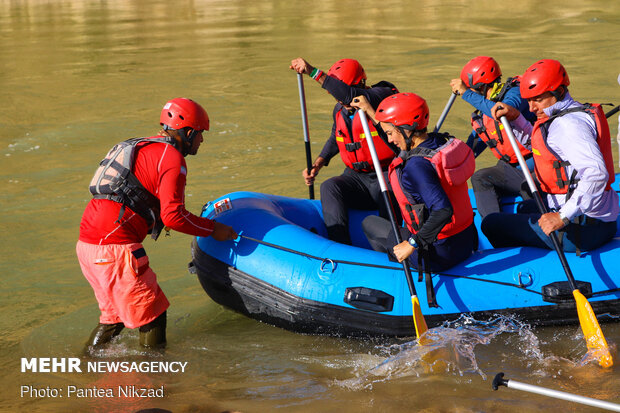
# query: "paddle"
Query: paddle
{"points": [[589, 324], [612, 112], [418, 317], [445, 112], [501, 381], [304, 121]]}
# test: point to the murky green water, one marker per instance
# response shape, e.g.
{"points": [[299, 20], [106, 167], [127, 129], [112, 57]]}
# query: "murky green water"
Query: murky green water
{"points": [[79, 76]]}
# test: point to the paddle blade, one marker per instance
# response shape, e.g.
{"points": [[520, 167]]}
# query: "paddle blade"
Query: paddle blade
{"points": [[592, 330], [418, 317]]}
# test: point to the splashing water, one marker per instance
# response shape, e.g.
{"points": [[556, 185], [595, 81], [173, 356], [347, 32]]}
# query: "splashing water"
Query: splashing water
{"points": [[594, 355], [449, 348]]}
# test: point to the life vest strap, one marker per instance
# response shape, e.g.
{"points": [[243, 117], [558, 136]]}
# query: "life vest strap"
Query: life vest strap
{"points": [[114, 198], [353, 146], [418, 214], [558, 167], [431, 298], [360, 166], [476, 117]]}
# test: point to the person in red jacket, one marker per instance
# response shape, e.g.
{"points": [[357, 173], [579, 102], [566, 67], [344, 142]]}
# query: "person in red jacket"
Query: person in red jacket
{"points": [[139, 188]]}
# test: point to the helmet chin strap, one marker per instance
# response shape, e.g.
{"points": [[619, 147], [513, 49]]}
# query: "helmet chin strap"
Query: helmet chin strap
{"points": [[189, 140], [187, 136], [408, 138]]}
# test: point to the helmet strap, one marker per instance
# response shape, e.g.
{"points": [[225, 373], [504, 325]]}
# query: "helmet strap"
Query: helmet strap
{"points": [[408, 138], [191, 135], [185, 136]]}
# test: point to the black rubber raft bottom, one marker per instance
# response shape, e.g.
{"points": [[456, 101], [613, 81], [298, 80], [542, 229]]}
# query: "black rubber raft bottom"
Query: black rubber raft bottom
{"points": [[262, 301]]}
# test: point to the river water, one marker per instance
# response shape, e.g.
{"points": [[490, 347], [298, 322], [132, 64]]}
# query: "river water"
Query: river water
{"points": [[79, 76]]}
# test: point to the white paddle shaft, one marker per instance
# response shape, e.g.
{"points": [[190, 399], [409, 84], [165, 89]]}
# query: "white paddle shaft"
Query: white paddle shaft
{"points": [[443, 115], [515, 147], [373, 151], [563, 395]]}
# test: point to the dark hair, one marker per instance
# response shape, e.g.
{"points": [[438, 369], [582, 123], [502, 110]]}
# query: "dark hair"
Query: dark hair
{"points": [[419, 132]]}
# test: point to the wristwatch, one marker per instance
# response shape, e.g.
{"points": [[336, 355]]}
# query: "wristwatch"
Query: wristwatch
{"points": [[412, 242], [566, 221]]}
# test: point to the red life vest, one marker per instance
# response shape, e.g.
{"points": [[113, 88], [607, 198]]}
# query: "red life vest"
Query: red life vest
{"points": [[550, 169], [491, 131], [354, 148], [454, 163]]}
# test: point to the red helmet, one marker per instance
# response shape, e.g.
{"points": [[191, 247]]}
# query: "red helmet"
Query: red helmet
{"points": [[406, 110], [480, 71], [349, 71], [546, 75], [182, 113]]}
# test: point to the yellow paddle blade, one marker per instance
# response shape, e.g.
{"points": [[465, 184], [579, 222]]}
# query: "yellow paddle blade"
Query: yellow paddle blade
{"points": [[436, 357], [418, 317], [592, 330]]}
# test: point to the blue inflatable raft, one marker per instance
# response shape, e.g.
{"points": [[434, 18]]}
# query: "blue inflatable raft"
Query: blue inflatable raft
{"points": [[284, 271]]}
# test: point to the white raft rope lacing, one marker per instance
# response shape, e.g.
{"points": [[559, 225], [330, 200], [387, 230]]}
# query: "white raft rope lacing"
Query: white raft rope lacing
{"points": [[362, 264]]}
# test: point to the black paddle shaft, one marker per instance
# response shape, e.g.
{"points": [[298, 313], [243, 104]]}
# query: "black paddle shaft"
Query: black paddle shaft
{"points": [[556, 243], [304, 122], [309, 166], [390, 210], [612, 112]]}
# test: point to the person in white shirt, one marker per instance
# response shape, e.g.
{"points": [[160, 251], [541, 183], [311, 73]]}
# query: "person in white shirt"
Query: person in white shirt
{"points": [[574, 166]]}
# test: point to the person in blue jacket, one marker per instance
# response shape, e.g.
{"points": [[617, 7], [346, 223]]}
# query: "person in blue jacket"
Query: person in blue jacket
{"points": [[434, 201], [480, 85], [357, 187]]}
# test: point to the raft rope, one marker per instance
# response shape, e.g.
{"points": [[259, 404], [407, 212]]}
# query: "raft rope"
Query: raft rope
{"points": [[361, 264], [303, 254]]}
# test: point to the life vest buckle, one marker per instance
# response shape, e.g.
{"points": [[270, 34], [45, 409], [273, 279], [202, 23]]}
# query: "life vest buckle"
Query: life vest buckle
{"points": [[360, 166]]}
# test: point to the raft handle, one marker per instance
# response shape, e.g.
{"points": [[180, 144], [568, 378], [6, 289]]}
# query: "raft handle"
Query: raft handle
{"points": [[329, 261], [368, 299], [529, 279], [561, 291]]}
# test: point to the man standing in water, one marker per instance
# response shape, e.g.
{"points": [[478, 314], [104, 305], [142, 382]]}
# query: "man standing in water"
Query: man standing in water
{"points": [[139, 188]]}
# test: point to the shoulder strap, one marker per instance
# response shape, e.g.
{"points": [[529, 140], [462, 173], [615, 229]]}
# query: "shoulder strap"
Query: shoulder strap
{"points": [[427, 152], [423, 152], [582, 108], [510, 83], [544, 126]]}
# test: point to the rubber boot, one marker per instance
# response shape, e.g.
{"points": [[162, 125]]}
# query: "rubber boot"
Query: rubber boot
{"points": [[103, 333], [153, 334]]}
